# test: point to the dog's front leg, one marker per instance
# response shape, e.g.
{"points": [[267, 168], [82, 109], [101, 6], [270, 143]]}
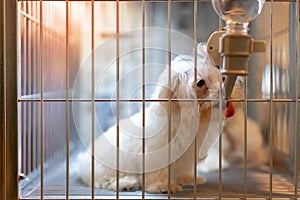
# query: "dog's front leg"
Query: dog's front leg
{"points": [[157, 182]]}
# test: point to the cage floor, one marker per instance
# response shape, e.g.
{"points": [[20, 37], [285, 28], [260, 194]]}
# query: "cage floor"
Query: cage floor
{"points": [[258, 186]]}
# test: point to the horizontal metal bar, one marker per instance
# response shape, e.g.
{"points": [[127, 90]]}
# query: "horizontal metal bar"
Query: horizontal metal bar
{"points": [[153, 0], [159, 100], [273, 100], [121, 100], [124, 0], [151, 197]]}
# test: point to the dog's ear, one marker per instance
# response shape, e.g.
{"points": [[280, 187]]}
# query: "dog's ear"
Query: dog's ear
{"points": [[170, 90]]}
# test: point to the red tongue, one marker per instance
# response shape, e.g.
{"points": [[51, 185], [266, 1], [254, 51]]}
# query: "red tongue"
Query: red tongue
{"points": [[229, 110]]}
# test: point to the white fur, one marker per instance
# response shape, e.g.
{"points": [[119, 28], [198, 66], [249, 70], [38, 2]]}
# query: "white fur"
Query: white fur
{"points": [[157, 133], [233, 140]]}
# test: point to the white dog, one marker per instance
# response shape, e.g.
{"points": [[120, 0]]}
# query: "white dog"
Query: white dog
{"points": [[166, 143], [233, 143]]}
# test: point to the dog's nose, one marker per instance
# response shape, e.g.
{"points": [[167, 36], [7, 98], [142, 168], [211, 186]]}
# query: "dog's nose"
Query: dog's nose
{"points": [[223, 78], [200, 83]]}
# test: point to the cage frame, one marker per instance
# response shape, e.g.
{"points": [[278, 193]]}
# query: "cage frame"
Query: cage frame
{"points": [[8, 99]]}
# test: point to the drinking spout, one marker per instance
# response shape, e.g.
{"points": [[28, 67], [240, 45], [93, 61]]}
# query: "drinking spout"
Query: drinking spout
{"points": [[229, 85]]}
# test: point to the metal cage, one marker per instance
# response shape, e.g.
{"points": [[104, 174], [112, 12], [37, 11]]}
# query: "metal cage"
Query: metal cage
{"points": [[44, 48]]}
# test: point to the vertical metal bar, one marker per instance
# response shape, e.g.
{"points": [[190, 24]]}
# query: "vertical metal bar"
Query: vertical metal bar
{"points": [[169, 100], [21, 48], [220, 166], [23, 142], [26, 53], [31, 159], [3, 138], [25, 114], [245, 135], [51, 51], [41, 100], [271, 106], [46, 64], [29, 70], [118, 98], [93, 97], [297, 101], [196, 116], [67, 102], [221, 138], [34, 81], [143, 101], [22, 76], [45, 61]]}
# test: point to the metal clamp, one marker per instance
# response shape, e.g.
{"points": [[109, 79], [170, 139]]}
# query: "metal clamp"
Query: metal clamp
{"points": [[230, 52]]}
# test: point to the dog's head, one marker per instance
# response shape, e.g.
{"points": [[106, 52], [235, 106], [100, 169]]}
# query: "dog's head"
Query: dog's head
{"points": [[188, 83]]}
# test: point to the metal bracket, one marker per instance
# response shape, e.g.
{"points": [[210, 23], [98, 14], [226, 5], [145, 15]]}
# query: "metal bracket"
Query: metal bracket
{"points": [[230, 53]]}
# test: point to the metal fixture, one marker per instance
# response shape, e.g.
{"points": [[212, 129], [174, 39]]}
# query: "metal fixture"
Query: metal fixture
{"points": [[229, 49]]}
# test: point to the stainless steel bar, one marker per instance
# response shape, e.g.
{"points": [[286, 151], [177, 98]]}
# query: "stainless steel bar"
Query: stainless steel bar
{"points": [[118, 97], [23, 138], [35, 85], [25, 73], [245, 136], [93, 95], [35, 141], [45, 61], [220, 166], [67, 102], [143, 99], [20, 106], [297, 150], [271, 107], [32, 161], [267, 100], [41, 51], [131, 0], [195, 26], [129, 100], [160, 100], [22, 48], [221, 138], [169, 99], [160, 0]]}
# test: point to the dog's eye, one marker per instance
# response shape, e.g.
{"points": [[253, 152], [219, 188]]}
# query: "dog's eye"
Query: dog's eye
{"points": [[240, 81], [223, 78], [200, 83]]}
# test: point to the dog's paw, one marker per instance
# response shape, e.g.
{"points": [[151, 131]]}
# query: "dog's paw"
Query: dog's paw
{"points": [[163, 187], [188, 180], [126, 183]]}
